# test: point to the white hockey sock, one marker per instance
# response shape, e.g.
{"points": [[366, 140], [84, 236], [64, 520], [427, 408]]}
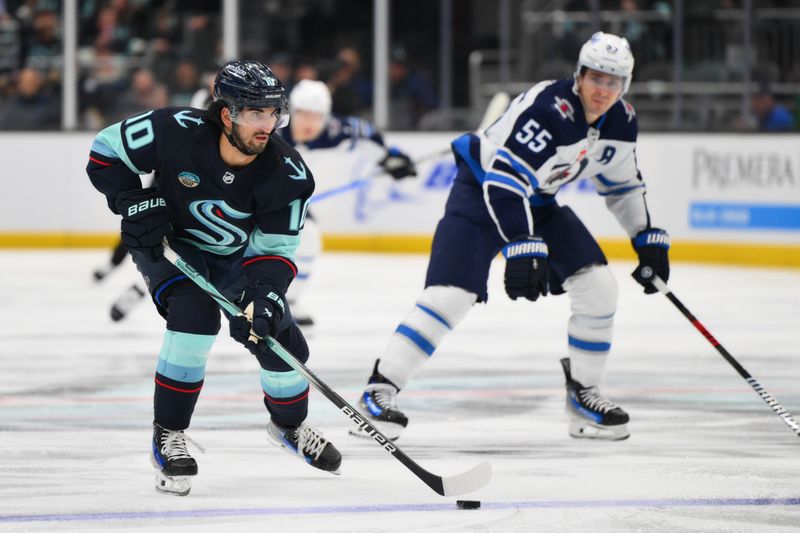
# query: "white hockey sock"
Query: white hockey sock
{"points": [[305, 258], [437, 311], [593, 294]]}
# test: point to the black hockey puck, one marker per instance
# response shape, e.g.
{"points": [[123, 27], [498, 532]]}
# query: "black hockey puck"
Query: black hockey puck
{"points": [[468, 504]]}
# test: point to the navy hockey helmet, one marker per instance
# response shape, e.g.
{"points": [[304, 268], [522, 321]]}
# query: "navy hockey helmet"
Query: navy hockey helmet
{"points": [[243, 84]]}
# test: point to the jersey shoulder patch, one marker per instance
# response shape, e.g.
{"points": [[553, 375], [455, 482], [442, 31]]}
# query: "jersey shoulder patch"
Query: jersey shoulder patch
{"points": [[290, 162], [187, 117]]}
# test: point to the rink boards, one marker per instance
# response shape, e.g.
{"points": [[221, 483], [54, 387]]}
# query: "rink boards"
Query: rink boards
{"points": [[724, 198]]}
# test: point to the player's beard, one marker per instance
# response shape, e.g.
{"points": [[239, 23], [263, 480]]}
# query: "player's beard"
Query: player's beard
{"points": [[251, 147]]}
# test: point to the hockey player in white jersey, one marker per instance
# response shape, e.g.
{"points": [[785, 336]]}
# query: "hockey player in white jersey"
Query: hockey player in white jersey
{"points": [[313, 127], [504, 200]]}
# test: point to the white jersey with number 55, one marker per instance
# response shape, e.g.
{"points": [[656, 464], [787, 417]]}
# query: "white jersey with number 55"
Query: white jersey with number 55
{"points": [[542, 142]]}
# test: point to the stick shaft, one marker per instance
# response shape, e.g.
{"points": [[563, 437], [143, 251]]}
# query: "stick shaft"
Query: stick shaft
{"points": [[753, 382], [437, 483]]}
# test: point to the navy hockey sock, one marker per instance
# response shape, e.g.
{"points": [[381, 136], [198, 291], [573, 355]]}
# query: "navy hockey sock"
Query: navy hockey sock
{"points": [[174, 402]]}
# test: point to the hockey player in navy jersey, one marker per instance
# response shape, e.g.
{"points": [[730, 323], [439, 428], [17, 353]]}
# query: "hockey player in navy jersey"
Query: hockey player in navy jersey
{"points": [[230, 196], [504, 200], [313, 127]]}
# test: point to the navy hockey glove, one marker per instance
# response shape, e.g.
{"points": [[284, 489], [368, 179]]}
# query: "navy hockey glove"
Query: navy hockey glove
{"points": [[262, 317], [145, 222], [526, 268], [652, 246], [398, 165]]}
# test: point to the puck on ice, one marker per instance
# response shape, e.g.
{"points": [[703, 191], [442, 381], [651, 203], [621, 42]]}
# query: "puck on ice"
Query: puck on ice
{"points": [[468, 504]]}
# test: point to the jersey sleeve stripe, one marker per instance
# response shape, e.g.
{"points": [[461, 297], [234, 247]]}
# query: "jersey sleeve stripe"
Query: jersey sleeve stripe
{"points": [[111, 137], [623, 190], [271, 258], [494, 177], [103, 149], [519, 166], [607, 182], [101, 163], [261, 243]]}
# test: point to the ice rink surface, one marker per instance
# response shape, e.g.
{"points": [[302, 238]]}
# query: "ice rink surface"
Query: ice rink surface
{"points": [[706, 453]]}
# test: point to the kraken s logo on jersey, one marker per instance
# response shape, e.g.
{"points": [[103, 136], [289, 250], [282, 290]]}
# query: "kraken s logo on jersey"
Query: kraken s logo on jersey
{"points": [[188, 179], [300, 171], [212, 214], [564, 109]]}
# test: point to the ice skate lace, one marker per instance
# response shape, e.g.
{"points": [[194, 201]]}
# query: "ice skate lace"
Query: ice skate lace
{"points": [[592, 399], [311, 441], [385, 397], [173, 445]]}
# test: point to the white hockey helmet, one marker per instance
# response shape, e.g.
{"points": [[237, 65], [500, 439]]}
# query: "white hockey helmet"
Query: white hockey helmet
{"points": [[607, 53], [311, 95]]}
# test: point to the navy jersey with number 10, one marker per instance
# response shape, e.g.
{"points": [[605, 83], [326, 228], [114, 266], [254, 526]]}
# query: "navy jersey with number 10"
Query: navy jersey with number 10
{"points": [[258, 209]]}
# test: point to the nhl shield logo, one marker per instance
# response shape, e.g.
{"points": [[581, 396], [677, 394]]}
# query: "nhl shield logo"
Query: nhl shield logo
{"points": [[188, 179], [228, 177]]}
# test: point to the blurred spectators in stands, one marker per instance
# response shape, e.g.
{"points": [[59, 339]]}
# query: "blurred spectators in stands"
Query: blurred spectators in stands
{"points": [[412, 93], [185, 83], [771, 115], [203, 96], [111, 33], [42, 45], [281, 65], [305, 70], [33, 107], [164, 39], [145, 93], [351, 92], [102, 89]]}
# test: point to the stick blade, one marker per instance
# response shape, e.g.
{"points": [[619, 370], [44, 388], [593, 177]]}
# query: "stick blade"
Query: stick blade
{"points": [[469, 481]]}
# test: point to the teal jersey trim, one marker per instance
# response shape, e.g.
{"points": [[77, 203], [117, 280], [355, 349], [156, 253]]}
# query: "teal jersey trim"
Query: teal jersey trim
{"points": [[112, 138], [272, 244], [282, 384], [183, 356]]}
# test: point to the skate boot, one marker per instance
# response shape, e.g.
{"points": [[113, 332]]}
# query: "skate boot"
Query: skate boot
{"points": [[127, 301], [308, 444], [301, 316], [592, 416], [377, 404], [175, 467]]}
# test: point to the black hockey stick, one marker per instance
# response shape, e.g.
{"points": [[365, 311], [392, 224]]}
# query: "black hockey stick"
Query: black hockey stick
{"points": [[468, 481], [785, 415]]}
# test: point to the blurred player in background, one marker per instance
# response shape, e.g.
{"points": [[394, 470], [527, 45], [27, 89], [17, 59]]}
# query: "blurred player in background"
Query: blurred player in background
{"points": [[313, 127], [504, 200], [231, 197]]}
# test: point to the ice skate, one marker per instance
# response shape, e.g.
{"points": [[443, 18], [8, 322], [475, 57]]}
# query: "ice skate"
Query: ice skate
{"points": [[378, 405], [175, 467], [127, 301], [301, 315], [592, 416], [307, 444]]}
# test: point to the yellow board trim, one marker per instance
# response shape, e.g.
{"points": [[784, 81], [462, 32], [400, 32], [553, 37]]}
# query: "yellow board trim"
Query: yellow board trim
{"points": [[769, 255]]}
